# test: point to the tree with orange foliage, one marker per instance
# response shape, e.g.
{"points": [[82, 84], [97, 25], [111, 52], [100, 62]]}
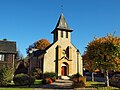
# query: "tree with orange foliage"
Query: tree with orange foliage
{"points": [[88, 64], [105, 54], [41, 44], [38, 45]]}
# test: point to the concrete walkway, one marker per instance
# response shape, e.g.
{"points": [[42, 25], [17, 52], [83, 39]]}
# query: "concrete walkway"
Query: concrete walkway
{"points": [[58, 85], [61, 85]]}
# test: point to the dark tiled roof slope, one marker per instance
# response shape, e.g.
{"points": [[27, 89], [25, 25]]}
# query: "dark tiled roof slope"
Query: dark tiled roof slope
{"points": [[62, 25], [7, 46], [40, 52]]}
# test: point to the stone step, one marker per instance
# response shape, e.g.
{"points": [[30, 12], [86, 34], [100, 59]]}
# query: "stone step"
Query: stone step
{"points": [[65, 77]]}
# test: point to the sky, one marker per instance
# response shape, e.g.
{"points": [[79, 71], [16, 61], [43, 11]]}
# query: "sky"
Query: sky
{"points": [[27, 21]]}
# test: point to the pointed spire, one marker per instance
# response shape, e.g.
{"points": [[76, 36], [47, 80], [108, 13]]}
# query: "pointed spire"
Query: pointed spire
{"points": [[62, 24]]}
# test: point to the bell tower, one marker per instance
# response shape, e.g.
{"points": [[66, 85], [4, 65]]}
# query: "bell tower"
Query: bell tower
{"points": [[62, 30]]}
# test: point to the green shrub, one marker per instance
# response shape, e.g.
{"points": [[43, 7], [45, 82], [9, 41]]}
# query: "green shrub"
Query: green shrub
{"points": [[6, 75], [46, 81], [53, 78], [77, 75], [79, 84], [37, 73], [50, 75], [78, 80], [23, 79]]}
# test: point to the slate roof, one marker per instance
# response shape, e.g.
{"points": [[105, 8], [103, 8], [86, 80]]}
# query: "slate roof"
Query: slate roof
{"points": [[38, 52], [7, 46], [62, 24]]}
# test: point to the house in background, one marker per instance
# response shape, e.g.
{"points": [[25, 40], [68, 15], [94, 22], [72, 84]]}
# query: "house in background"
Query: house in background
{"points": [[61, 57], [7, 53]]}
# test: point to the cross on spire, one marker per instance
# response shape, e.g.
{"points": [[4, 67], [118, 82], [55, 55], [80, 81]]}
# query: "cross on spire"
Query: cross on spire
{"points": [[61, 6]]}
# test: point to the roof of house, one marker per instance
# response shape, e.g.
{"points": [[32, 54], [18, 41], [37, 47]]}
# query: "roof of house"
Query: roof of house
{"points": [[7, 46], [38, 52], [62, 24], [41, 52]]}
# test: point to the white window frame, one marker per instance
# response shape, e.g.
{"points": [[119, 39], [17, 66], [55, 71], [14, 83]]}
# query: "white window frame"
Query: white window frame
{"points": [[2, 57]]}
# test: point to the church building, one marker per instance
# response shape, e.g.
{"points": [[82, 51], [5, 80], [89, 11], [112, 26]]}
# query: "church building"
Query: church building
{"points": [[61, 57]]}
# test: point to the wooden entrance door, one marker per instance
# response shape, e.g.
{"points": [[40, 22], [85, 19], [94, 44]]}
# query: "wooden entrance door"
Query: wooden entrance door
{"points": [[64, 71]]}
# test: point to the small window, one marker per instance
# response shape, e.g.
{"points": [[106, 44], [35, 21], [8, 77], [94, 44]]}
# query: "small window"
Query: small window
{"points": [[66, 34], [61, 33], [1, 57], [55, 35]]}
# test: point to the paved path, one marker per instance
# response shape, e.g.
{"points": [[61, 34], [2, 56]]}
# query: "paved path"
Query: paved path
{"points": [[58, 85], [61, 85]]}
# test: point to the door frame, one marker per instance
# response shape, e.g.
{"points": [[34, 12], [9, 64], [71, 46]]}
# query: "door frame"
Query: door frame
{"points": [[64, 69]]}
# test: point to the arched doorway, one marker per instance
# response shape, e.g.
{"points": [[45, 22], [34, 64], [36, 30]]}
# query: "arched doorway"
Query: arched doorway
{"points": [[64, 69]]}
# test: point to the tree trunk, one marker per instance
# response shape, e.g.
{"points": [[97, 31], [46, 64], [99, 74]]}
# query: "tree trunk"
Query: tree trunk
{"points": [[106, 78], [92, 76]]}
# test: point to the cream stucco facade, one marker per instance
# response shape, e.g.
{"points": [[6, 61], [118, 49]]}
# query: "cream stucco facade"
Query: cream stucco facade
{"points": [[62, 57], [50, 60]]}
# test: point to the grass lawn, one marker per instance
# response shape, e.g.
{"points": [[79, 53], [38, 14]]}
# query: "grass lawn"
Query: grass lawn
{"points": [[16, 89], [99, 86], [89, 84], [13, 87], [38, 82]]}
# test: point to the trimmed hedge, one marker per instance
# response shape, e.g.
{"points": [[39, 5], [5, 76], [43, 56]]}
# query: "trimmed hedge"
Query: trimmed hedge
{"points": [[23, 79], [78, 80], [50, 75], [79, 84], [47, 81]]}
